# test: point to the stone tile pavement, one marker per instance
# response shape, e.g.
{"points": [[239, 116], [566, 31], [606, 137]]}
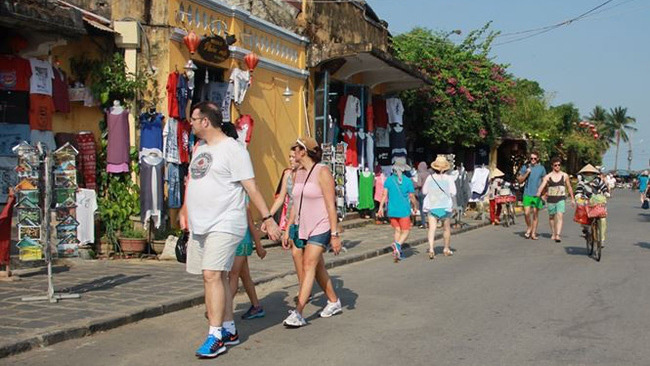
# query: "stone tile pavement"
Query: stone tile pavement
{"points": [[118, 292]]}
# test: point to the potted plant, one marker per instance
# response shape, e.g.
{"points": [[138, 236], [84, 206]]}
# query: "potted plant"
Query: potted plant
{"points": [[132, 241]]}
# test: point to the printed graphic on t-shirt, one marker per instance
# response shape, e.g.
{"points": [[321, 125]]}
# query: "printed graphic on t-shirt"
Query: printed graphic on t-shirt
{"points": [[41, 76], [201, 165], [8, 79]]}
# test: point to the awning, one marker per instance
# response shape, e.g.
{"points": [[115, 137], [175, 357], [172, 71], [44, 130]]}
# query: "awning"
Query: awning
{"points": [[369, 66], [97, 25]]}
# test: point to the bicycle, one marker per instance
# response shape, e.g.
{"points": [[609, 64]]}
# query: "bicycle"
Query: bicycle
{"points": [[593, 239], [508, 208]]}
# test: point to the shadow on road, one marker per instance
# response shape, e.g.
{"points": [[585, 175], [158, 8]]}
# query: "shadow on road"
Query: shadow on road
{"points": [[576, 250], [347, 296], [104, 283], [644, 245], [349, 244], [275, 305], [43, 271], [644, 217]]}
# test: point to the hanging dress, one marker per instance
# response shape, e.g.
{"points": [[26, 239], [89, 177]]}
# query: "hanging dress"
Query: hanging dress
{"points": [[366, 181]]}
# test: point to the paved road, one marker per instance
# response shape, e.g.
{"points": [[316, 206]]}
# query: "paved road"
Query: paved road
{"points": [[501, 300]]}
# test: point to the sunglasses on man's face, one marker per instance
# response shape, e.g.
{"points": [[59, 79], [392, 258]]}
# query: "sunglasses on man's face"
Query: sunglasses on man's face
{"points": [[533, 158], [556, 164]]}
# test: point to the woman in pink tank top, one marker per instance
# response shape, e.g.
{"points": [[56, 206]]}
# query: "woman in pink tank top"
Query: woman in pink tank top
{"points": [[314, 211]]}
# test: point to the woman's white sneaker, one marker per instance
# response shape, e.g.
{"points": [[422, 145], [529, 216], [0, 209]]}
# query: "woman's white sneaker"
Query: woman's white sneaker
{"points": [[332, 308], [294, 320]]}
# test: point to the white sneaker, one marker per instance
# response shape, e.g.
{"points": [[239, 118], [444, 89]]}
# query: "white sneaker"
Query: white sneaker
{"points": [[332, 308], [294, 320]]}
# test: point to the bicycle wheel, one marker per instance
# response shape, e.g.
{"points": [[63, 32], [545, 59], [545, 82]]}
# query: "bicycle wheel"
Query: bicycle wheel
{"points": [[506, 215], [598, 243], [512, 212], [590, 240]]}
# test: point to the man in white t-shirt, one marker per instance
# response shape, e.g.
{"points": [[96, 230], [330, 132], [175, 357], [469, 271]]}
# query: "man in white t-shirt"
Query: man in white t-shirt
{"points": [[221, 174]]}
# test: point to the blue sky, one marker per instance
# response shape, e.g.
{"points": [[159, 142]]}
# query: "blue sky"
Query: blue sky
{"points": [[603, 59]]}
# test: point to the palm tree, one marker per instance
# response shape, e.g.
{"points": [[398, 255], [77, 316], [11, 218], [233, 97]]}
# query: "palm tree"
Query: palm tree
{"points": [[621, 123], [600, 117]]}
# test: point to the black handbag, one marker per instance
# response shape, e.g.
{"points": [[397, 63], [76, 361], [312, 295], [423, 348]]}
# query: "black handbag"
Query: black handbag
{"points": [[646, 204], [181, 247]]}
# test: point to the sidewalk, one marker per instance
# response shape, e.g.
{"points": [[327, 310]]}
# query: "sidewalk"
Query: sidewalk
{"points": [[118, 292]]}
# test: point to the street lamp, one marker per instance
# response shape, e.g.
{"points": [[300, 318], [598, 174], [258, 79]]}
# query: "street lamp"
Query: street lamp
{"points": [[287, 94]]}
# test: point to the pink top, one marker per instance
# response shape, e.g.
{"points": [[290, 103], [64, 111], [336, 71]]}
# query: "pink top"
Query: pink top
{"points": [[314, 220], [379, 186]]}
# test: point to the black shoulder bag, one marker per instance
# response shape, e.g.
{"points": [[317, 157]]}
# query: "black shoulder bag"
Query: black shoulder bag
{"points": [[181, 247]]}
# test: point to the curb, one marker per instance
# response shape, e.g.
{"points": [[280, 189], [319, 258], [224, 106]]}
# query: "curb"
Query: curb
{"points": [[188, 301]]}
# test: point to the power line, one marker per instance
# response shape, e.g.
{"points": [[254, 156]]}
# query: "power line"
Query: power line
{"points": [[542, 30]]}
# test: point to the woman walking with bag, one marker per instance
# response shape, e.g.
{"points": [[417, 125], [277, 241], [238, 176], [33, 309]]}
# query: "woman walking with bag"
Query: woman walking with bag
{"points": [[439, 190], [315, 212], [399, 193]]}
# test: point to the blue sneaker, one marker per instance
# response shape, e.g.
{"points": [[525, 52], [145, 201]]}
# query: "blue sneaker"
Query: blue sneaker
{"points": [[211, 348], [229, 339], [254, 312]]}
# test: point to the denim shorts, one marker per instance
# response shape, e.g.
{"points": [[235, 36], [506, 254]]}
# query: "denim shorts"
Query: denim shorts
{"points": [[322, 240]]}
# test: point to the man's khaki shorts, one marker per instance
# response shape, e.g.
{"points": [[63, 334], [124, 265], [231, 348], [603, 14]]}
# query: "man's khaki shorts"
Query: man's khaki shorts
{"points": [[212, 251]]}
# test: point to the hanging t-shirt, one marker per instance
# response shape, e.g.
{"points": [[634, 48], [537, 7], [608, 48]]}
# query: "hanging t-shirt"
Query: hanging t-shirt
{"points": [[118, 144], [215, 198], [5, 231], [397, 141], [41, 109], [399, 204], [14, 106], [15, 73], [382, 138], [241, 81], [352, 112], [60, 93], [351, 185], [244, 127], [151, 186], [172, 100], [380, 178], [151, 131], [184, 130], [45, 137], [340, 108], [174, 186], [12, 135], [366, 181], [351, 156], [87, 159], [182, 96], [380, 113], [370, 118], [383, 156], [41, 79], [170, 142], [86, 207], [370, 151], [395, 110]]}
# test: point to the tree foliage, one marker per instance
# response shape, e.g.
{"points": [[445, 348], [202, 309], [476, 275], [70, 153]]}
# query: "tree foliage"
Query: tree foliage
{"points": [[463, 105]]}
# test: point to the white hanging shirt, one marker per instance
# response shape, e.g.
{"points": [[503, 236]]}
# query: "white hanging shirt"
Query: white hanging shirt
{"points": [[351, 185], [241, 81], [86, 207], [41, 79], [395, 110], [352, 111]]}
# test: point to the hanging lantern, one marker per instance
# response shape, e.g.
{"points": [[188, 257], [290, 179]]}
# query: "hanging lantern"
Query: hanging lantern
{"points": [[596, 135], [583, 124], [192, 41], [251, 61]]}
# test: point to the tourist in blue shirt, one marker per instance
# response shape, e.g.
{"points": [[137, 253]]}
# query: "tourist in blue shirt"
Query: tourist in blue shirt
{"points": [[532, 174], [643, 184], [401, 199]]}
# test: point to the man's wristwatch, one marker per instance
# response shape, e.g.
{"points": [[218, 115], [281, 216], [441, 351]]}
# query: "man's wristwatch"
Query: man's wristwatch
{"points": [[335, 234], [266, 217]]}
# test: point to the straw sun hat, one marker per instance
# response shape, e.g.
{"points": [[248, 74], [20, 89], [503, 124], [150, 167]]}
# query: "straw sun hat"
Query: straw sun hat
{"points": [[589, 169], [441, 164]]}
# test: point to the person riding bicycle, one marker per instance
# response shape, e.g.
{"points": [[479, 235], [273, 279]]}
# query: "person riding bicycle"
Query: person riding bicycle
{"points": [[591, 187]]}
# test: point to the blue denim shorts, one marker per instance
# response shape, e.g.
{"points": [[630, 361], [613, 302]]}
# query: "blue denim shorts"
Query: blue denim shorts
{"points": [[322, 240]]}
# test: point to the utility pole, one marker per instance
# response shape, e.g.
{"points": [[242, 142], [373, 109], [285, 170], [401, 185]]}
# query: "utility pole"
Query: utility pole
{"points": [[629, 154]]}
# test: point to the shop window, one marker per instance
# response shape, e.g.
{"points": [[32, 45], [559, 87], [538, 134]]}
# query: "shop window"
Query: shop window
{"points": [[214, 75], [189, 14], [211, 25], [197, 17], [206, 25]]}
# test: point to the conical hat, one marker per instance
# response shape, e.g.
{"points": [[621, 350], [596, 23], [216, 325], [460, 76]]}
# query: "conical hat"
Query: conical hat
{"points": [[589, 169], [496, 173]]}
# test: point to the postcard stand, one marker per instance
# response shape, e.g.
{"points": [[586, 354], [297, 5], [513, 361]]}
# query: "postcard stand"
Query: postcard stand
{"points": [[51, 295]]}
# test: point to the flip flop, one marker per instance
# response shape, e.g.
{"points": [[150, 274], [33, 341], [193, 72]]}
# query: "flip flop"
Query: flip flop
{"points": [[527, 235], [533, 237]]}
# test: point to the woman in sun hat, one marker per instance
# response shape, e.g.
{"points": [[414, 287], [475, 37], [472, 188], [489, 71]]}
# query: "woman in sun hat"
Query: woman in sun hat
{"points": [[400, 194], [439, 190], [591, 186], [496, 183]]}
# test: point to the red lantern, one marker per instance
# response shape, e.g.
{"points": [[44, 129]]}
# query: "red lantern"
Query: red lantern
{"points": [[596, 136], [192, 41], [251, 61]]}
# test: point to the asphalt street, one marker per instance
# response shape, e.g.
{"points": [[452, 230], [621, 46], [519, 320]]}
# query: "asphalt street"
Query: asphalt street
{"points": [[501, 300]]}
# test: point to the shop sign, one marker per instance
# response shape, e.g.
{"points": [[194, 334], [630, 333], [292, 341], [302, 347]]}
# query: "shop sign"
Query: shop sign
{"points": [[214, 49]]}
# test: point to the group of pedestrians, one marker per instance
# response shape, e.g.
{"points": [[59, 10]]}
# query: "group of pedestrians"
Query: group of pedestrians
{"points": [[222, 235]]}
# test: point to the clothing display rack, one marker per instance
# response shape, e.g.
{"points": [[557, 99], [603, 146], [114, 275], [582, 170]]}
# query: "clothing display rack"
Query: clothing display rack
{"points": [[51, 295]]}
